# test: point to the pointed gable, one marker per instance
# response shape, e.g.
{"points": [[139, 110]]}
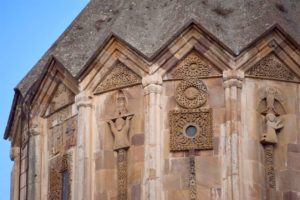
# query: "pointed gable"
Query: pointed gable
{"points": [[271, 67], [61, 98], [193, 65], [119, 77]]}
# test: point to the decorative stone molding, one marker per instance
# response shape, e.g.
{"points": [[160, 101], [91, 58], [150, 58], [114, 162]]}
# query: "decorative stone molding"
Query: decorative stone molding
{"points": [[120, 76], [194, 66], [271, 67]]}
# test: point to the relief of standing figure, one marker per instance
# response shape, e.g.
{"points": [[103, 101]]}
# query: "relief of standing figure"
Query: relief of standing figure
{"points": [[120, 131]]}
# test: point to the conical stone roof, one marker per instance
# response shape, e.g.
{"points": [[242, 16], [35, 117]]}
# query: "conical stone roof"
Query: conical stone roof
{"points": [[147, 25]]}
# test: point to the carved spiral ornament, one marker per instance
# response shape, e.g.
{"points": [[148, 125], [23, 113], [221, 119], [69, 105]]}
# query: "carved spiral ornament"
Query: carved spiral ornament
{"points": [[191, 93]]}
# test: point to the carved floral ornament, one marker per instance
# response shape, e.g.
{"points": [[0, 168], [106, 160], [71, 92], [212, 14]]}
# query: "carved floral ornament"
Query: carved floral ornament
{"points": [[119, 77], [271, 67], [194, 66], [191, 125]]}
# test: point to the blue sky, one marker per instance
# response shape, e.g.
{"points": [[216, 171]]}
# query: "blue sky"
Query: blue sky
{"points": [[28, 28]]}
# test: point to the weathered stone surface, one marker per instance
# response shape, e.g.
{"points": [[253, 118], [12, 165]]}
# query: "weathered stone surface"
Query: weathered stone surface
{"points": [[238, 132]]}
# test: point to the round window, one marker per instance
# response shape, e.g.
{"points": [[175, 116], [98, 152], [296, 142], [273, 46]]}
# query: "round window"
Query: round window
{"points": [[191, 131]]}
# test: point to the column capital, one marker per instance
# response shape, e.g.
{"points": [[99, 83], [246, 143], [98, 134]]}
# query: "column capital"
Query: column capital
{"points": [[83, 99], [14, 152], [34, 130], [152, 83], [233, 78]]}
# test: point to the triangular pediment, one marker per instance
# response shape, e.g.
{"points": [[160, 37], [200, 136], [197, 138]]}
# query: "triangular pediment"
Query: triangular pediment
{"points": [[271, 67], [194, 66], [61, 98], [120, 76]]}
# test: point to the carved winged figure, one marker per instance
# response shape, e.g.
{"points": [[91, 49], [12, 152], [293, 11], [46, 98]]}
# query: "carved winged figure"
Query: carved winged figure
{"points": [[273, 124], [120, 130]]}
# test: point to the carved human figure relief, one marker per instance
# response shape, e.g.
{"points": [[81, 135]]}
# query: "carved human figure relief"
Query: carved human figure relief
{"points": [[271, 111], [120, 128], [270, 107], [273, 124]]}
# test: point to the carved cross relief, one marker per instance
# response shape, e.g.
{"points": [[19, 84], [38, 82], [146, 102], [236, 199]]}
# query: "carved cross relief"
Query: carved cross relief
{"points": [[120, 127], [191, 124], [270, 107]]}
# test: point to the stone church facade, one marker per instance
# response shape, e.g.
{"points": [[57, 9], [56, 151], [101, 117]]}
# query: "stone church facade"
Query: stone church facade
{"points": [[160, 101]]}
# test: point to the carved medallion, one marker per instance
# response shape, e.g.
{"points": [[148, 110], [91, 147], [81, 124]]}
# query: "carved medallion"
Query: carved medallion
{"points": [[190, 129], [120, 77], [194, 66], [191, 93], [273, 68]]}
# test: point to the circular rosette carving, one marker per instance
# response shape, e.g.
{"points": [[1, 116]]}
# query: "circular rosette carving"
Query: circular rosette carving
{"points": [[191, 93]]}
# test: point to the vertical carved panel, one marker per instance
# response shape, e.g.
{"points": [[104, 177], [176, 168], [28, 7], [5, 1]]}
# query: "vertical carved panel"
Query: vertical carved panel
{"points": [[192, 179], [122, 174], [191, 125], [270, 107], [269, 165], [120, 127], [58, 166]]}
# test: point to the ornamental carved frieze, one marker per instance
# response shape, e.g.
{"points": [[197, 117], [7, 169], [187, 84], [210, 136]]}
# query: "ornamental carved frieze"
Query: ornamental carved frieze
{"points": [[190, 129], [194, 66], [60, 178], [271, 67], [119, 77]]}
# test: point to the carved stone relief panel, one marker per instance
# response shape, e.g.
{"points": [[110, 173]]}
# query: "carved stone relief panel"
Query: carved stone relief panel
{"points": [[120, 126], [270, 107], [190, 129], [273, 68], [119, 77], [191, 93], [62, 131], [70, 132], [191, 126], [59, 183], [195, 66]]}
